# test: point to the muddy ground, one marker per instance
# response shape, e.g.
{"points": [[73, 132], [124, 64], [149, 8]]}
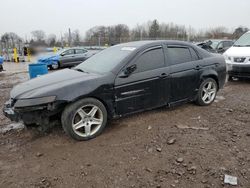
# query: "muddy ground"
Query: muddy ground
{"points": [[187, 146]]}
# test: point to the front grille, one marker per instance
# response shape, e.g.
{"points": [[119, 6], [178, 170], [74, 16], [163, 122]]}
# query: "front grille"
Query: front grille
{"points": [[239, 59]]}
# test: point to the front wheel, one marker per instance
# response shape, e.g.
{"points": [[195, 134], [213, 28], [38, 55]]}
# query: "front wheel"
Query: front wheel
{"points": [[85, 119], [55, 66], [207, 92]]}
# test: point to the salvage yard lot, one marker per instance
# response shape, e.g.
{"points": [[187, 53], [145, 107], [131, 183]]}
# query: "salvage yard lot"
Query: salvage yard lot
{"points": [[186, 146]]}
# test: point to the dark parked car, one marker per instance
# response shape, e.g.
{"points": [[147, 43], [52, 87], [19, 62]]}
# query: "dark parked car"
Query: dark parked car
{"points": [[67, 57], [118, 81], [216, 45]]}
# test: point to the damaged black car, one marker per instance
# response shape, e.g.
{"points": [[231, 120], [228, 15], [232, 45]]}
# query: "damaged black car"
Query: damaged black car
{"points": [[118, 81]]}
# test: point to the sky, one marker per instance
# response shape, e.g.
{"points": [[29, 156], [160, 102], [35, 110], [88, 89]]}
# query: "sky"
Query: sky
{"points": [[56, 16]]}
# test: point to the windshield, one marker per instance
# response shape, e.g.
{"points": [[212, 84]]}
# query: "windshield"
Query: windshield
{"points": [[244, 40], [105, 60], [214, 44]]}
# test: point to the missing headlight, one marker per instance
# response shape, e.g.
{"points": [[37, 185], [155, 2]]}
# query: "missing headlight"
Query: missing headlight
{"points": [[34, 101]]}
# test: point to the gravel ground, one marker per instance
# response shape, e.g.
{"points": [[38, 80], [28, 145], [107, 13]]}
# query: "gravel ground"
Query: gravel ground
{"points": [[186, 146]]}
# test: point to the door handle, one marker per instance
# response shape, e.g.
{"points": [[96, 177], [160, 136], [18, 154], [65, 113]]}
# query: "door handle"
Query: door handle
{"points": [[164, 75], [198, 67]]}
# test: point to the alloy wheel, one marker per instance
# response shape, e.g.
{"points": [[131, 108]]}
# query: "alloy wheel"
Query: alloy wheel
{"points": [[87, 120], [55, 66], [209, 92]]}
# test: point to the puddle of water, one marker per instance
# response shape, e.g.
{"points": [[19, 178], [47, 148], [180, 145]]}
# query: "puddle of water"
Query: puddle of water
{"points": [[12, 126], [219, 98]]}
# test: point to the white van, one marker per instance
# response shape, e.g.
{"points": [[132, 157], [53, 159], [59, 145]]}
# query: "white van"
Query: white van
{"points": [[238, 58]]}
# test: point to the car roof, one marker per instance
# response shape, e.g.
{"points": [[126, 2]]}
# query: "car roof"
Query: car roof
{"points": [[219, 40], [139, 44]]}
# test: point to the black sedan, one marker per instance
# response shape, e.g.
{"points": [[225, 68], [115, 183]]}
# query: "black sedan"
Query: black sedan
{"points": [[118, 81]]}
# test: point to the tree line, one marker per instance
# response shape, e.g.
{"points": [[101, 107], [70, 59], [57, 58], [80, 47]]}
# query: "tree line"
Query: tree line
{"points": [[111, 35]]}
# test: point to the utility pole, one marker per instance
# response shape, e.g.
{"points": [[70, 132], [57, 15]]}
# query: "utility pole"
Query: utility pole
{"points": [[62, 41], [70, 38]]}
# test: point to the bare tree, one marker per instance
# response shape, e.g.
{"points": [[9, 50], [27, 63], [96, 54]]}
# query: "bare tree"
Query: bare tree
{"points": [[239, 31], [39, 35], [51, 40], [11, 40], [217, 32], [76, 38]]}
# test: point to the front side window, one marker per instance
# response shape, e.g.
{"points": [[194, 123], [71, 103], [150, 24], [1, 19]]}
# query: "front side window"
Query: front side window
{"points": [[179, 55], [150, 60], [68, 52], [227, 44]]}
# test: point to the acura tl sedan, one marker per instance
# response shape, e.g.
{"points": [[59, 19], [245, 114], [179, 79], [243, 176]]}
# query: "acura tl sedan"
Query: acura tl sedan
{"points": [[118, 81]]}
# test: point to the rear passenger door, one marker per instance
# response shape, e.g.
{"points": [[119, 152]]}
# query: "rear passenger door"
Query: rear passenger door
{"points": [[184, 72], [80, 55]]}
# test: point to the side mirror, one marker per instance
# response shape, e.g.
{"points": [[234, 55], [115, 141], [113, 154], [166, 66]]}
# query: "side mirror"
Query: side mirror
{"points": [[126, 72]]}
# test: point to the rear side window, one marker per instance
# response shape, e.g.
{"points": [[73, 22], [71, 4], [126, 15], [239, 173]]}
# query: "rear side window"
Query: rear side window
{"points": [[80, 51], [150, 60], [227, 43], [179, 55]]}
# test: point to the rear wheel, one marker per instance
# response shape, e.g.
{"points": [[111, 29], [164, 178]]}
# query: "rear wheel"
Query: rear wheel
{"points": [[230, 78], [84, 119], [207, 92]]}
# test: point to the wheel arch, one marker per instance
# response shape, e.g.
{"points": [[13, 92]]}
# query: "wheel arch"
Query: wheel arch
{"points": [[210, 74], [108, 105]]}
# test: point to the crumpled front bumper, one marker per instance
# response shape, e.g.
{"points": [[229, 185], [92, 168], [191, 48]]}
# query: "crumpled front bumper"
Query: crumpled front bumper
{"points": [[9, 112]]}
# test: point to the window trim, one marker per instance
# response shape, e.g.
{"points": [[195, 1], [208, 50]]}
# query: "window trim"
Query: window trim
{"points": [[199, 58]]}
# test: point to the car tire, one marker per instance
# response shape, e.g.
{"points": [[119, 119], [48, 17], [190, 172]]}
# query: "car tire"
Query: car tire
{"points": [[55, 66], [84, 119], [29, 125], [230, 78], [207, 92]]}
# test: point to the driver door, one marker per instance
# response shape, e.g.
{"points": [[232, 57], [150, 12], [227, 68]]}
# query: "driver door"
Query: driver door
{"points": [[143, 88]]}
